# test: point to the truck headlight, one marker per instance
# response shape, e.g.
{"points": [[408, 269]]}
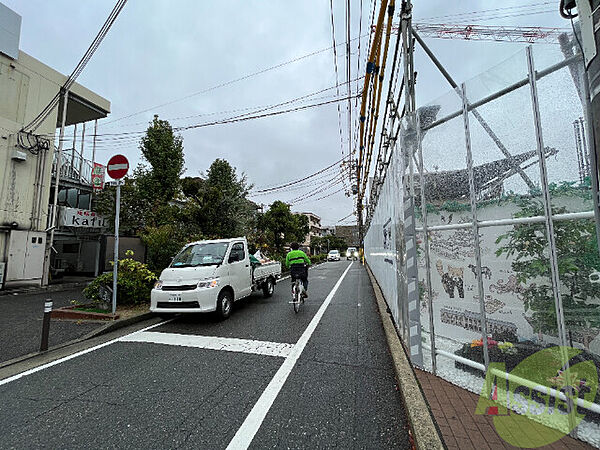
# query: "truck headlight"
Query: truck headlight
{"points": [[158, 285], [207, 284]]}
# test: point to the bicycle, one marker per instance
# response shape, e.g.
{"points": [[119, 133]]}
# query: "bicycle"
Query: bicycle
{"points": [[298, 288], [297, 294]]}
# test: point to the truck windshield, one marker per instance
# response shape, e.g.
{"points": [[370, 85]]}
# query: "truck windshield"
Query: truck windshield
{"points": [[201, 255]]}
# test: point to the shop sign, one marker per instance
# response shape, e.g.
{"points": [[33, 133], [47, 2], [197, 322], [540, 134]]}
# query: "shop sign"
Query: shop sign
{"points": [[81, 218], [98, 176]]}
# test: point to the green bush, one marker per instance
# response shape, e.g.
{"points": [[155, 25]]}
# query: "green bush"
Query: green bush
{"points": [[163, 243], [318, 258], [134, 283]]}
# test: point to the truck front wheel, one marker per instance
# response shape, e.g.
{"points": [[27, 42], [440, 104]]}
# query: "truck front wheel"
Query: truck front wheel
{"points": [[224, 304], [268, 288]]}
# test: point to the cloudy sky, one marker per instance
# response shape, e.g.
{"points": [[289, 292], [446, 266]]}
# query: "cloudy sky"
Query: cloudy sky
{"points": [[159, 51]]}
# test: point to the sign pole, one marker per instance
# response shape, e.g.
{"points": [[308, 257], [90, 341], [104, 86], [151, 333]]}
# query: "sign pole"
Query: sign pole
{"points": [[116, 257], [116, 168]]}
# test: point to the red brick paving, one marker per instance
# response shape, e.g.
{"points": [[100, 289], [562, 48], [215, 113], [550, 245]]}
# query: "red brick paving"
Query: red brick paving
{"points": [[453, 409]]}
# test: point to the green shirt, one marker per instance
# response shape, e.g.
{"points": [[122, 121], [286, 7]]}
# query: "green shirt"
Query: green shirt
{"points": [[296, 257]]}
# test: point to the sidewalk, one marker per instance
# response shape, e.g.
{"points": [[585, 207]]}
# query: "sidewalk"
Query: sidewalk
{"points": [[454, 411], [21, 322]]}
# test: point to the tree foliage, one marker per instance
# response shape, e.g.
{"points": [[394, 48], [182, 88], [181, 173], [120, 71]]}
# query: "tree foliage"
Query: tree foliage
{"points": [[325, 243], [279, 226], [163, 150], [218, 201], [578, 258]]}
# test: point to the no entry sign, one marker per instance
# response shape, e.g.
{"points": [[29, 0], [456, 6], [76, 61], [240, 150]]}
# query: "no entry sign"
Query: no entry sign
{"points": [[117, 167]]}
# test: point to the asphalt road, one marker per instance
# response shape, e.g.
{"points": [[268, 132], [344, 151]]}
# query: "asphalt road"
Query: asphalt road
{"points": [[21, 322], [266, 377]]}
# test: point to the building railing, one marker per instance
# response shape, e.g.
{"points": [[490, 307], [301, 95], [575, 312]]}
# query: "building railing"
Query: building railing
{"points": [[74, 167]]}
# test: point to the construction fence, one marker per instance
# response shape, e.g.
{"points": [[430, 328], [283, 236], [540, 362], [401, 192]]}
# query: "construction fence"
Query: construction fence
{"points": [[483, 239]]}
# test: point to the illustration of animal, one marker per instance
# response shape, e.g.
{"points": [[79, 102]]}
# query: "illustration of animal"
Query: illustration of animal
{"points": [[452, 279], [485, 271]]}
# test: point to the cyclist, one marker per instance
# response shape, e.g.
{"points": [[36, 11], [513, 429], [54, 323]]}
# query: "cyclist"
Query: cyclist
{"points": [[297, 261]]}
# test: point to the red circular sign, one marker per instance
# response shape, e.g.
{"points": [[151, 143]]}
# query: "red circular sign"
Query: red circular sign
{"points": [[117, 167]]}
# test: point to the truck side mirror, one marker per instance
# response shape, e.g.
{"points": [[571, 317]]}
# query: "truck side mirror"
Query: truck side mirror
{"points": [[234, 257]]}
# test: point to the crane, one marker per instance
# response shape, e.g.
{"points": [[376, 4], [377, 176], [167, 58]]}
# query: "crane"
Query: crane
{"points": [[496, 33]]}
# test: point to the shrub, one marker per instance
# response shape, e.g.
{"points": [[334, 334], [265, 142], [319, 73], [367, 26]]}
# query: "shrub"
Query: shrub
{"points": [[134, 283]]}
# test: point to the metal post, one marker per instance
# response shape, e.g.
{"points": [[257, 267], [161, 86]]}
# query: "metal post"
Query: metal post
{"points": [[475, 227], [72, 168], [116, 256], [94, 157], [555, 277], [590, 153], [56, 183], [546, 200], [426, 247], [81, 155], [46, 324]]}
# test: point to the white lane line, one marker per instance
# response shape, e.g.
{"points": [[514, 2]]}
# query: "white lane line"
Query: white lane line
{"points": [[245, 434], [266, 348], [74, 355]]}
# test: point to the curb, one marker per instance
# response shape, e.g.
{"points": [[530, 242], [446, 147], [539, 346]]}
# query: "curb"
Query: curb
{"points": [[422, 424], [104, 329], [70, 313]]}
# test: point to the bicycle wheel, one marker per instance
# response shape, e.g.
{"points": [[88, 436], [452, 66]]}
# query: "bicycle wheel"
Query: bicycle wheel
{"points": [[296, 297]]}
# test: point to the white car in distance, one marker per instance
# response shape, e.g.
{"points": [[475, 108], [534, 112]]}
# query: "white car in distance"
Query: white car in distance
{"points": [[352, 253], [333, 255]]}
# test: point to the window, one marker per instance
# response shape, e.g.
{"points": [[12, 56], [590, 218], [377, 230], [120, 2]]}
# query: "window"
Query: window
{"points": [[200, 255], [238, 249]]}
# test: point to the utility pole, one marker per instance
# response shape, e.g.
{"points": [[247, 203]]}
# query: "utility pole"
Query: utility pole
{"points": [[50, 243]]}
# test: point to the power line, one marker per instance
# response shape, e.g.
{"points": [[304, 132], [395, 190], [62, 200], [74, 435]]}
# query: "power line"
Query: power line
{"points": [[227, 83], [495, 11], [134, 135], [337, 80], [321, 198], [39, 119], [290, 183]]}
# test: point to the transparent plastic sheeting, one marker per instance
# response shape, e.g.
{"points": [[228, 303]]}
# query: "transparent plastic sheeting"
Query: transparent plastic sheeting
{"points": [[519, 298], [390, 249]]}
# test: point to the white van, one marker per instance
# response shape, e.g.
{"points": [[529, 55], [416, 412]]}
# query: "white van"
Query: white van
{"points": [[208, 276]]}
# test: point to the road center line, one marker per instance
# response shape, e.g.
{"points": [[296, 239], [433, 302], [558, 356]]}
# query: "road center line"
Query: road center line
{"points": [[245, 434], [280, 349], [74, 355]]}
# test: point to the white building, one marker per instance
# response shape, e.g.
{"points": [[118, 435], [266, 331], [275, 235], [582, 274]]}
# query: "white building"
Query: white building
{"points": [[26, 159]]}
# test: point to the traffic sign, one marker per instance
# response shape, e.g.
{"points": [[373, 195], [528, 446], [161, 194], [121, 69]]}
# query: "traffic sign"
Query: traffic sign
{"points": [[117, 167]]}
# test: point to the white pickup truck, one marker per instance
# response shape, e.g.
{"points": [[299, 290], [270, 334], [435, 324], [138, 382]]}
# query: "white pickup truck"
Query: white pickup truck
{"points": [[208, 276]]}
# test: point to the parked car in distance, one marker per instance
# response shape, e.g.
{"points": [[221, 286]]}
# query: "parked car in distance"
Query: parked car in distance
{"points": [[352, 253], [333, 255], [208, 276]]}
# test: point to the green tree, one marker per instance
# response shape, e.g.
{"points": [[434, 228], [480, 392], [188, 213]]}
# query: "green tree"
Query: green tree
{"points": [[134, 207], [163, 242], [578, 258], [147, 195], [218, 202], [281, 226], [163, 150], [325, 243]]}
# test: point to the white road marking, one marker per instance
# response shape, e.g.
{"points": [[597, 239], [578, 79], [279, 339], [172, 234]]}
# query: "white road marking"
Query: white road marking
{"points": [[245, 434], [74, 355], [280, 349]]}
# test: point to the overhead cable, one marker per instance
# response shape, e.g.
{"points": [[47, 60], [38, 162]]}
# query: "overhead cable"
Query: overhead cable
{"points": [[227, 83], [39, 119]]}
